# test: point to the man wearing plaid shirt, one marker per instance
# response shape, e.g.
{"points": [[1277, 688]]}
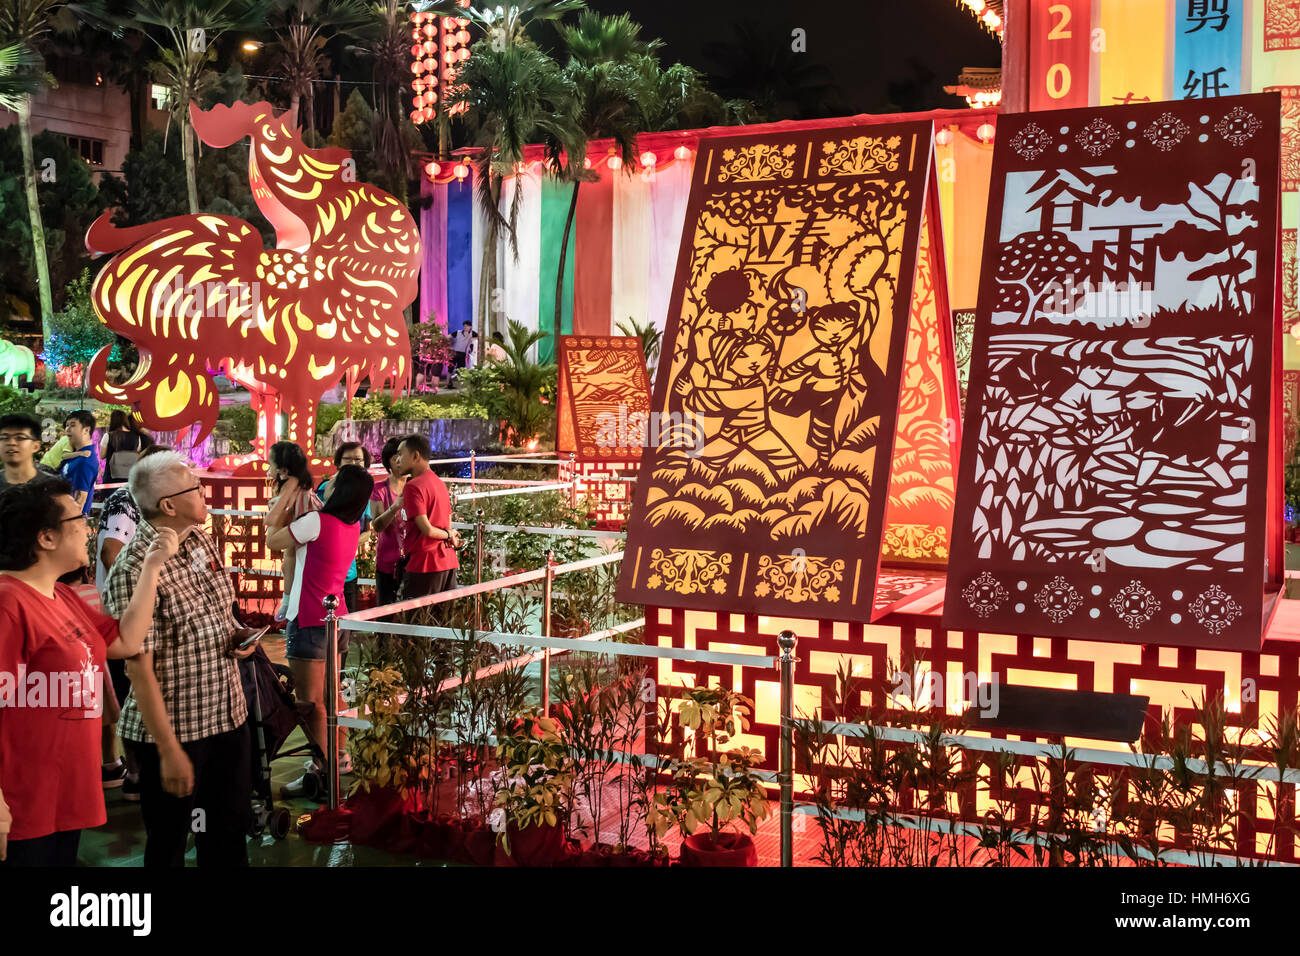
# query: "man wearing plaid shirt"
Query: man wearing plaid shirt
{"points": [[186, 713]]}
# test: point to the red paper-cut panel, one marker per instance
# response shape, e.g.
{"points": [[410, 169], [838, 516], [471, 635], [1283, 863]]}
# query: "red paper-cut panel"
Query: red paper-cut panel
{"points": [[765, 485], [1290, 412], [1281, 25], [1290, 135], [923, 473], [604, 400], [201, 293], [1119, 446], [1290, 303]]}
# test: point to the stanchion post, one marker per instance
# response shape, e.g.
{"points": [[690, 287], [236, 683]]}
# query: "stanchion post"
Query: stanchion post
{"points": [[330, 743], [473, 463], [573, 479], [786, 640], [478, 571], [546, 632]]}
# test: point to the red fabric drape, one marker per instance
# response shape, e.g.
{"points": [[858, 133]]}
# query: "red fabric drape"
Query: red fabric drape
{"points": [[593, 257]]}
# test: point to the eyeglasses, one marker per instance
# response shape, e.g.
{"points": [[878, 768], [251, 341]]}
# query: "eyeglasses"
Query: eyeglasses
{"points": [[177, 494], [16, 437], [354, 461], [80, 517]]}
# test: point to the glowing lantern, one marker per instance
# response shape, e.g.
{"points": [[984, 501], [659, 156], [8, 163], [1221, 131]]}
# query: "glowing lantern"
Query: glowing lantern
{"points": [[992, 19], [417, 85], [461, 170], [682, 152], [430, 31], [430, 98], [586, 162], [416, 116], [428, 114], [416, 50], [615, 162], [648, 160], [986, 132], [415, 35], [433, 169], [430, 48], [417, 100], [977, 6], [943, 137], [464, 53], [462, 36], [430, 64]]}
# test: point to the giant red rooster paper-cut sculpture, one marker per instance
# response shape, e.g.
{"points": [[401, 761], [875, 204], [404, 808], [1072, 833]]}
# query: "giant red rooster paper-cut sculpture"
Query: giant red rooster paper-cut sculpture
{"points": [[201, 293]]}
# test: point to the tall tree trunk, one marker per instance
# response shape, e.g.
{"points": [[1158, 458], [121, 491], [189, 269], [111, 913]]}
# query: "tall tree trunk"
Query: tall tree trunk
{"points": [[191, 168], [488, 276], [34, 217], [444, 136], [559, 278], [294, 98]]}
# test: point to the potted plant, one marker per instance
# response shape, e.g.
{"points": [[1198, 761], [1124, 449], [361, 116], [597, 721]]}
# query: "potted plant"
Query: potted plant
{"points": [[534, 793], [711, 796]]}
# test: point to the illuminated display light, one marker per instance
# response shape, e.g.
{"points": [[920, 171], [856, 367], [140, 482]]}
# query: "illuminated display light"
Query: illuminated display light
{"points": [[432, 170], [648, 159], [430, 65], [461, 170], [615, 162], [986, 132], [943, 137], [329, 296], [682, 152]]}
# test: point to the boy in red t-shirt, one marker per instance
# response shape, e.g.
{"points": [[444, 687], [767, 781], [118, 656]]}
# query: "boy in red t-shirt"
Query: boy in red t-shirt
{"points": [[430, 540]]}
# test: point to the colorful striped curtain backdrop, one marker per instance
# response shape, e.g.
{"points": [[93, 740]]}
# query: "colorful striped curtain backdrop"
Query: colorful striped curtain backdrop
{"points": [[1099, 52], [626, 233]]}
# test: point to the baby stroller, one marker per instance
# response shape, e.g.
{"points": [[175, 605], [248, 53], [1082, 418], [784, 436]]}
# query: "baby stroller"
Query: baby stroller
{"points": [[275, 714]]}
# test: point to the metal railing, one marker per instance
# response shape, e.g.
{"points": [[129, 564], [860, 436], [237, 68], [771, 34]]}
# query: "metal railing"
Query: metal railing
{"points": [[366, 621]]}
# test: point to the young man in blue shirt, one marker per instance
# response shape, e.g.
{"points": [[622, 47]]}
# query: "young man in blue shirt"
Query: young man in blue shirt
{"points": [[81, 469]]}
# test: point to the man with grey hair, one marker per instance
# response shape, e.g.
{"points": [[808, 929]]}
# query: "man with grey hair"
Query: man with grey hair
{"points": [[185, 713]]}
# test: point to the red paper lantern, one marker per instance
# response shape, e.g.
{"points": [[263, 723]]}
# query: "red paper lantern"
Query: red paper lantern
{"points": [[416, 116], [417, 67], [462, 36], [432, 170], [430, 30], [430, 64], [430, 48], [428, 114]]}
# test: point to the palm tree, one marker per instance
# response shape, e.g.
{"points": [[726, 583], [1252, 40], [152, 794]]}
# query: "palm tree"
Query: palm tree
{"points": [[524, 380], [301, 32], [19, 75], [186, 33], [387, 46], [608, 68], [515, 96], [25, 24], [760, 65]]}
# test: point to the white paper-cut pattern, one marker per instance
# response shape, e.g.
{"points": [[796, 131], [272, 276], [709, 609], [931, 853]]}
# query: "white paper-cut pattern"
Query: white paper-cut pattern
{"points": [[1135, 604], [1215, 609]]}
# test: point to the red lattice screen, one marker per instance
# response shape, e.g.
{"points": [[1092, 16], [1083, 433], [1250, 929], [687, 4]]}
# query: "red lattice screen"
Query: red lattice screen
{"points": [[1173, 677]]}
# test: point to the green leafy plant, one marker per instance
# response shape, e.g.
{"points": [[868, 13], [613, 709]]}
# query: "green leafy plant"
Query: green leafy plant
{"points": [[516, 391], [76, 334], [535, 786]]}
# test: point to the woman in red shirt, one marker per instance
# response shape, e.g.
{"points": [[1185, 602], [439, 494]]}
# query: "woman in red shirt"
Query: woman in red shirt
{"points": [[53, 649]]}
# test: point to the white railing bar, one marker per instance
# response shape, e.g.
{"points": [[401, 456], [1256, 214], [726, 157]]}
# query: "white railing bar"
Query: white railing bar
{"points": [[1024, 748], [468, 590], [562, 643], [532, 489], [528, 529]]}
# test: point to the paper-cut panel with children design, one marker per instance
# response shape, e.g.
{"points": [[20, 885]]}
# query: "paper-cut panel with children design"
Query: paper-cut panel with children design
{"points": [[604, 398], [765, 485], [1118, 449]]}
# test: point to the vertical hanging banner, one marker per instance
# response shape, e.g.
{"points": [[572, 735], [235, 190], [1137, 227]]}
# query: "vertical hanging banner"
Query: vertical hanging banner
{"points": [[1059, 53], [1207, 48], [1132, 51], [764, 486], [1118, 450]]}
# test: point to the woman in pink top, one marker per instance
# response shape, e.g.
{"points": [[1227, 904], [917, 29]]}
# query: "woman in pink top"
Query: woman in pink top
{"points": [[292, 497], [389, 526], [327, 544]]}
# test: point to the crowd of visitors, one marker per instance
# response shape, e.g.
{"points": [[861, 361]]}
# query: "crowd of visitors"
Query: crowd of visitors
{"points": [[155, 648]]}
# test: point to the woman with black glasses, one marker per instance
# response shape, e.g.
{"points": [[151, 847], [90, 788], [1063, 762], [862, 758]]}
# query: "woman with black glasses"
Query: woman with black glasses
{"points": [[53, 650]]}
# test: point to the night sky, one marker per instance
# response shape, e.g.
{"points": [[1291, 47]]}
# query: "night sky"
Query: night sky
{"points": [[877, 55]]}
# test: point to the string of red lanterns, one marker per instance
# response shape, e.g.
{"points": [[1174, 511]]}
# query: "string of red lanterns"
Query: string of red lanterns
{"points": [[440, 45]]}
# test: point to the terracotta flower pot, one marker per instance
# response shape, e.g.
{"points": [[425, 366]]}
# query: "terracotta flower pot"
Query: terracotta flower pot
{"points": [[727, 849], [532, 846]]}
